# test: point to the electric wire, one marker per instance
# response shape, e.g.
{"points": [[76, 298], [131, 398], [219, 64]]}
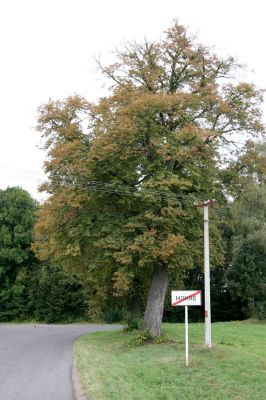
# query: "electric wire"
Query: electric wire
{"points": [[111, 187], [115, 188], [190, 199]]}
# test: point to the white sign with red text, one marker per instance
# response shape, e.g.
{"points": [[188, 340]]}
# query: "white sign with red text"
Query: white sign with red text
{"points": [[186, 298]]}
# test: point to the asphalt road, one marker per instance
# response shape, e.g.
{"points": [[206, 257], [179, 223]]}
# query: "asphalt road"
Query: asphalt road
{"points": [[36, 360]]}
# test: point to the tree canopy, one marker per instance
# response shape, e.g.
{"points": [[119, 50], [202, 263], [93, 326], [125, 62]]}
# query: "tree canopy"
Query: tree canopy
{"points": [[17, 217], [30, 289], [124, 173], [246, 275]]}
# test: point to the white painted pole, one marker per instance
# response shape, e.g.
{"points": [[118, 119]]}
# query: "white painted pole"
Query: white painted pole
{"points": [[186, 333], [207, 295]]}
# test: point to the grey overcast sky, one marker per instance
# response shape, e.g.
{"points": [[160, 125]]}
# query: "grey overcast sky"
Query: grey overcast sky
{"points": [[48, 49]]}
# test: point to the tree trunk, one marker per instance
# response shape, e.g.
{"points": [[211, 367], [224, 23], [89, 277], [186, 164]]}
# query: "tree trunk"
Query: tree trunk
{"points": [[155, 303]]}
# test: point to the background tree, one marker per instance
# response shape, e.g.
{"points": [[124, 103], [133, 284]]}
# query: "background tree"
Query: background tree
{"points": [[30, 290], [17, 217], [245, 170], [246, 276], [154, 143]]}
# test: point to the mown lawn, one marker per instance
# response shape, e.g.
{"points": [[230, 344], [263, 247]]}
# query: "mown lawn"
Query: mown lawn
{"points": [[112, 367]]}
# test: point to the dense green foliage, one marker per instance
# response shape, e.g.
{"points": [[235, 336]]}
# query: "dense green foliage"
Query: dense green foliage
{"points": [[45, 294], [17, 210], [30, 290], [246, 275]]}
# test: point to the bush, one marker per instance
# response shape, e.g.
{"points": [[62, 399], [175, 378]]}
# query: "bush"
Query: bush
{"points": [[112, 315], [45, 294], [60, 296], [260, 312], [134, 324], [144, 337], [12, 304]]}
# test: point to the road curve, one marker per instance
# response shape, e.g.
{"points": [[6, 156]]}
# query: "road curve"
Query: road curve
{"points": [[36, 360]]}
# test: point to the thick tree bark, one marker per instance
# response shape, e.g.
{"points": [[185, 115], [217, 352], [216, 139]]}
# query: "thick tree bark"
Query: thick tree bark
{"points": [[155, 303]]}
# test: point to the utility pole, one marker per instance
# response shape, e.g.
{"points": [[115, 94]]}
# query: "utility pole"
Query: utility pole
{"points": [[207, 292]]}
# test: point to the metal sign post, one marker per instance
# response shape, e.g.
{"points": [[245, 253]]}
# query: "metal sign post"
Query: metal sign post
{"points": [[186, 298], [186, 333]]}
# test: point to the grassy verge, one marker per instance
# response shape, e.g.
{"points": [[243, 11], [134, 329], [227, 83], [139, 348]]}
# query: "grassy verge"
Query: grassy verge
{"points": [[112, 367]]}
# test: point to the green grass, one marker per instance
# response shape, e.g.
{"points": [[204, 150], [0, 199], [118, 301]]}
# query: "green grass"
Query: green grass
{"points": [[112, 367]]}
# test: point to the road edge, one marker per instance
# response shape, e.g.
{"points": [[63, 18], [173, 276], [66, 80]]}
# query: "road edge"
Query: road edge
{"points": [[78, 393]]}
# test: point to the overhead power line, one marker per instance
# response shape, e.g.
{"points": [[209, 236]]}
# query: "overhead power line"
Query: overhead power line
{"points": [[115, 188], [99, 186]]}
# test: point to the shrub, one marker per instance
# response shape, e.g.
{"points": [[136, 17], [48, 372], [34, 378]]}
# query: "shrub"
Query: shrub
{"points": [[114, 314], [43, 293]]}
